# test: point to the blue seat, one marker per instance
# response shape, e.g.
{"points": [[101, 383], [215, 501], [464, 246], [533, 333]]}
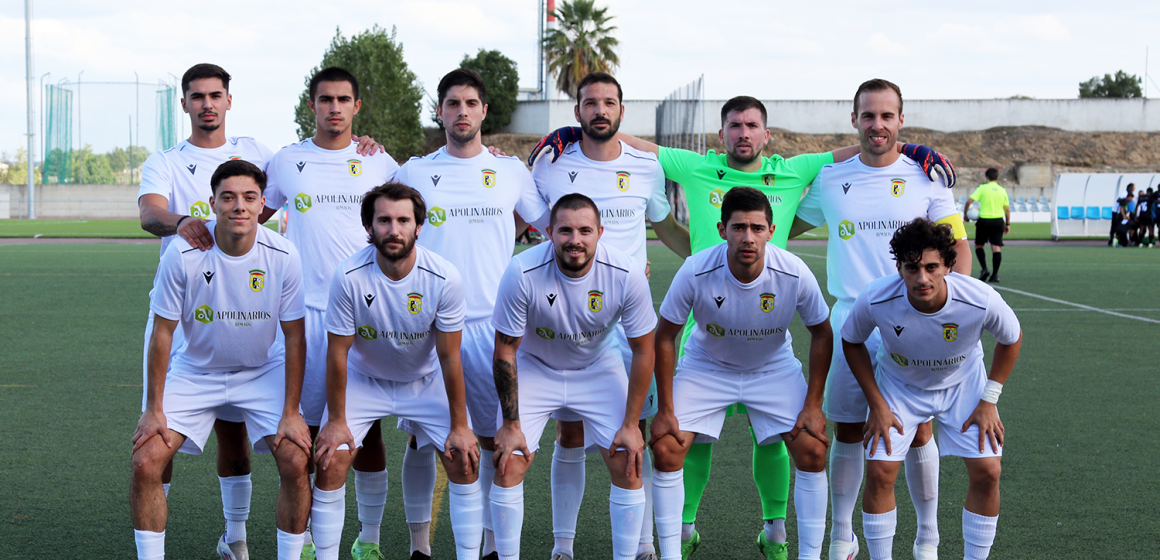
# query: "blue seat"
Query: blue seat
{"points": [[1077, 212], [1093, 212], [1061, 212], [1107, 212], [1019, 199]]}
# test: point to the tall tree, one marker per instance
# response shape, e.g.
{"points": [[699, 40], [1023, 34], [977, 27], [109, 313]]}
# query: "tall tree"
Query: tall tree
{"points": [[391, 94], [502, 83], [1122, 85], [582, 43]]}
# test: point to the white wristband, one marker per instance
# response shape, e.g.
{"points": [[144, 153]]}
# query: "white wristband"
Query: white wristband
{"points": [[992, 391]]}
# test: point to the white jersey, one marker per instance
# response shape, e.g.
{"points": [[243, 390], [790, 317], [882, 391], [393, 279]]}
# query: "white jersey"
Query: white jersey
{"points": [[570, 323], [229, 308], [627, 190], [325, 188], [469, 215], [864, 206], [181, 174], [936, 350], [743, 328], [394, 323]]}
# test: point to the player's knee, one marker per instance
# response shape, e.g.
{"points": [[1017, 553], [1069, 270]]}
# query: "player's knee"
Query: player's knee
{"points": [[984, 475], [570, 434], [293, 462], [881, 475], [148, 464], [668, 455], [811, 457]]}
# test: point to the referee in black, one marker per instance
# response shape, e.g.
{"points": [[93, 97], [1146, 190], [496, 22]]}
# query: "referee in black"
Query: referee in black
{"points": [[994, 220]]}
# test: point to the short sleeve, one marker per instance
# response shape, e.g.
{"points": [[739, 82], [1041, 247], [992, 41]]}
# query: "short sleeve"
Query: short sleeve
{"points": [[942, 202], [293, 304], [860, 323], [658, 207], [1006, 199], [976, 195], [265, 154], [530, 206], [811, 304], [541, 172], [340, 307], [807, 166], [401, 174], [637, 316], [679, 299], [1000, 320], [511, 303], [155, 177], [275, 197], [390, 167], [679, 164], [452, 310], [810, 207], [169, 285]]}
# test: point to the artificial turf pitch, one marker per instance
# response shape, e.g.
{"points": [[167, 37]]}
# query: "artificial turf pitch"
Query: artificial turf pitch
{"points": [[1078, 479]]}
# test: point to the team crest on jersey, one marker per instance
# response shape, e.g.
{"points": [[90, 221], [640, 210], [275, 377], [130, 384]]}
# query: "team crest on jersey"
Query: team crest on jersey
{"points": [[950, 332], [715, 330], [414, 303], [767, 180], [232, 158], [488, 178], [368, 332], [595, 301], [767, 302], [199, 209], [257, 280], [354, 166], [897, 187], [622, 180], [899, 359], [203, 314], [302, 202], [717, 197]]}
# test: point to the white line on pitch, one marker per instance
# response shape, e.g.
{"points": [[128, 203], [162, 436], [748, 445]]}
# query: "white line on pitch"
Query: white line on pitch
{"points": [[1079, 305], [1074, 310], [808, 255]]}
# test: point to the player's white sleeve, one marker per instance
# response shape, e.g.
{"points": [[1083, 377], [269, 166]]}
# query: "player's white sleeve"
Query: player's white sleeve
{"points": [[452, 311], [1000, 320], [155, 177], [401, 173], [530, 205], [810, 207], [510, 316], [293, 304], [540, 177], [811, 304], [860, 323], [658, 207], [264, 153], [637, 316], [679, 299], [275, 198], [942, 202], [392, 167], [340, 306], [169, 285]]}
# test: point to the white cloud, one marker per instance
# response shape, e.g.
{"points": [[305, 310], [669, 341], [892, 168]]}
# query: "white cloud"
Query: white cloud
{"points": [[881, 45]]}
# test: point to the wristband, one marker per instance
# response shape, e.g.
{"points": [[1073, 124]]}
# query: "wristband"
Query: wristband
{"points": [[992, 391], [178, 224]]}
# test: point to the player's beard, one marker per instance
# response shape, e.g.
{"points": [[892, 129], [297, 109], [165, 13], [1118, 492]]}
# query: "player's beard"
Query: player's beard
{"points": [[573, 265], [394, 255], [209, 127], [870, 148], [751, 158], [464, 137], [613, 127]]}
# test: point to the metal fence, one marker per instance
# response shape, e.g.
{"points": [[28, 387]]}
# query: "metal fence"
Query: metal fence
{"points": [[681, 124]]}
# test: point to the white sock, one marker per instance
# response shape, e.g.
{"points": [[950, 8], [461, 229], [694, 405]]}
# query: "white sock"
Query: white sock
{"points": [[846, 468], [507, 513], [879, 531], [567, 493], [775, 530], [165, 488], [810, 496], [646, 526], [235, 505], [418, 476], [466, 505], [978, 535], [420, 537], [327, 514], [150, 545], [486, 478], [922, 480], [626, 509], [687, 529], [290, 545], [668, 500], [370, 491]]}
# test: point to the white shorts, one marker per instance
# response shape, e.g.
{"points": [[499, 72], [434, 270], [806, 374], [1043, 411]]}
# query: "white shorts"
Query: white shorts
{"points": [[774, 400], [477, 354], [649, 409], [844, 401], [596, 396], [422, 403], [227, 413], [313, 400], [193, 401], [951, 407]]}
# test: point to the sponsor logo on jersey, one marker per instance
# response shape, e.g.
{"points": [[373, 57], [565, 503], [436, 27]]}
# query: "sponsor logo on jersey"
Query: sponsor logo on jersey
{"points": [[414, 303], [715, 330], [572, 176], [436, 216], [846, 187], [369, 298], [551, 299], [846, 229], [897, 187], [302, 202], [950, 332], [368, 332], [622, 180], [899, 359], [435, 180], [878, 228], [203, 314], [192, 168], [488, 178], [354, 166], [300, 165], [546, 333], [717, 197], [721, 174], [767, 302], [767, 180], [898, 330], [257, 280], [208, 276], [719, 300], [595, 301], [199, 209]]}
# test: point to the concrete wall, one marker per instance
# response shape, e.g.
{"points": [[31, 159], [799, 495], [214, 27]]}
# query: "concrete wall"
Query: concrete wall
{"points": [[833, 117], [73, 201]]}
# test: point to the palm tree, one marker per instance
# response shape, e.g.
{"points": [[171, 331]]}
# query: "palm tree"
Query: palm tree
{"points": [[582, 43]]}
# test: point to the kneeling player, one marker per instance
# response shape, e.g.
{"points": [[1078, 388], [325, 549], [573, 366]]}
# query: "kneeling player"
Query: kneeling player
{"points": [[568, 296], [394, 321], [743, 294], [933, 368], [230, 300]]}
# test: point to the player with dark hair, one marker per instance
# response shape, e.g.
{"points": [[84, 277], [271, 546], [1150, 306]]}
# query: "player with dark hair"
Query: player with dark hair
{"points": [[994, 220]]}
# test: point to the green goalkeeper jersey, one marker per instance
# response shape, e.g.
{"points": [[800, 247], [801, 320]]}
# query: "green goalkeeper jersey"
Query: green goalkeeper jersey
{"points": [[706, 178]]}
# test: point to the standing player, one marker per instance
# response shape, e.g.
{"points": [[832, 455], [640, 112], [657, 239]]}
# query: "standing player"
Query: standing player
{"points": [[229, 300], [394, 321], [745, 293], [568, 296], [325, 179], [476, 202], [628, 186], [933, 368], [994, 220], [1146, 217], [864, 199]]}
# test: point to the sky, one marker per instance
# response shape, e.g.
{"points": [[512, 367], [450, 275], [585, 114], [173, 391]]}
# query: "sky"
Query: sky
{"points": [[769, 49]]}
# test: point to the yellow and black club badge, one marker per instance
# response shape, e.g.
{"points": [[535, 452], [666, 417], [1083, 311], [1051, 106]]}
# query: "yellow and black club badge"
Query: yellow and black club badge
{"points": [[897, 186], [414, 303], [767, 302], [257, 280], [488, 178], [354, 166], [622, 180], [950, 332], [767, 180], [595, 301]]}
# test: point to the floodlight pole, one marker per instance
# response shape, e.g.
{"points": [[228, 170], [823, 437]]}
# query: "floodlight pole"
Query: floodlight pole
{"points": [[40, 93], [28, 168]]}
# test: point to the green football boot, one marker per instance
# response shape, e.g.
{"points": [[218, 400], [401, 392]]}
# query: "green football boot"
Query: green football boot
{"points": [[308, 552], [365, 551], [772, 550], [690, 545]]}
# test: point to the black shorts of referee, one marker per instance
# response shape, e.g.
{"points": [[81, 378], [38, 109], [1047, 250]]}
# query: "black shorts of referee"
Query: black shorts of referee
{"points": [[989, 230]]}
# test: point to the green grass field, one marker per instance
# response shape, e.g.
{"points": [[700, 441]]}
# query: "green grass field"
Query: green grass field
{"points": [[1079, 412]]}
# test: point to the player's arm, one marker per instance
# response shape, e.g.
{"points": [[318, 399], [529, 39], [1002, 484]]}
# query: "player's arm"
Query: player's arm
{"points": [[292, 426], [665, 421], [335, 431], [986, 414], [152, 422], [812, 419], [267, 212], [639, 378], [156, 218], [521, 225], [674, 235], [461, 438], [1007, 219], [510, 436], [799, 227], [881, 419]]}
